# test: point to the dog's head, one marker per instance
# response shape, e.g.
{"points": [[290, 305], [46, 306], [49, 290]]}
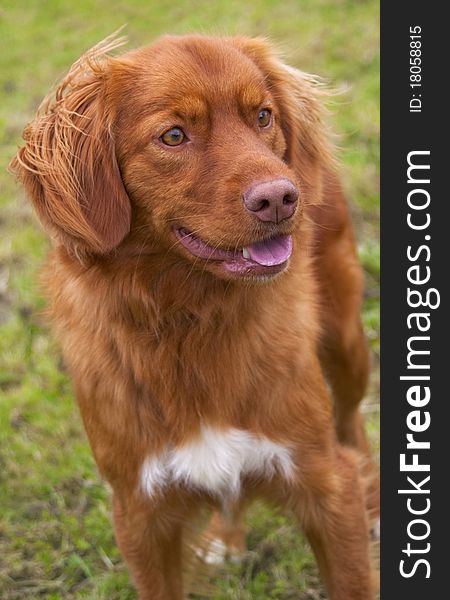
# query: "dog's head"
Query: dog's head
{"points": [[197, 147]]}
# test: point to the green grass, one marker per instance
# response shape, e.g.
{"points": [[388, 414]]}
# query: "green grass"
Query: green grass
{"points": [[55, 534]]}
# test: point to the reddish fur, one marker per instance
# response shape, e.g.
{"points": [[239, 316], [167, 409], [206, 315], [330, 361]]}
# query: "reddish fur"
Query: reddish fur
{"points": [[158, 342]]}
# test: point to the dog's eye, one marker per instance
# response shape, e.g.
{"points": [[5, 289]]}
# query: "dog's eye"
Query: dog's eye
{"points": [[264, 117], [173, 137]]}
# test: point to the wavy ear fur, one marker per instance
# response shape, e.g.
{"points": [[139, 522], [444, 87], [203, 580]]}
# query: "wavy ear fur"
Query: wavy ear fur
{"points": [[68, 164], [300, 97]]}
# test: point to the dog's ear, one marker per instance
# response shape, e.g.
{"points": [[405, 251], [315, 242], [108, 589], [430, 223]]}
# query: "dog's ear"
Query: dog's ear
{"points": [[300, 99], [68, 164]]}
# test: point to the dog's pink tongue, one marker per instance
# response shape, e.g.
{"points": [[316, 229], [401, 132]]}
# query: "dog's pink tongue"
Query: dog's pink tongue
{"points": [[271, 252]]}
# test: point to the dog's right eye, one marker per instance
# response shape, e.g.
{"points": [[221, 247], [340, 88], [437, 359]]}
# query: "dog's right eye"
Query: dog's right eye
{"points": [[173, 137]]}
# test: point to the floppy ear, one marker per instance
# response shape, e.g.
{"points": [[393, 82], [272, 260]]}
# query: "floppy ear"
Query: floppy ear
{"points": [[68, 164], [300, 99]]}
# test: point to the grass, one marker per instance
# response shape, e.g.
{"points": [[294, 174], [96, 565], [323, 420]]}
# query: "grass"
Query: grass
{"points": [[55, 533]]}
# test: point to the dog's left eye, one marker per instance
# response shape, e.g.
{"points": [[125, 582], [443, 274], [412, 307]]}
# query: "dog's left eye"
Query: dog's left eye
{"points": [[173, 137], [264, 117]]}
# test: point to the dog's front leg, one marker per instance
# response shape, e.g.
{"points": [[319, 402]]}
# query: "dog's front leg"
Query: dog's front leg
{"points": [[149, 535], [331, 508]]}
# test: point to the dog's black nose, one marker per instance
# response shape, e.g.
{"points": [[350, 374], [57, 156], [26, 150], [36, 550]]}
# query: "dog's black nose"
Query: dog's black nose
{"points": [[273, 201]]}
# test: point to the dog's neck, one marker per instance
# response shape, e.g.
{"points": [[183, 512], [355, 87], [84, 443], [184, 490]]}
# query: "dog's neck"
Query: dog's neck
{"points": [[172, 331], [153, 293]]}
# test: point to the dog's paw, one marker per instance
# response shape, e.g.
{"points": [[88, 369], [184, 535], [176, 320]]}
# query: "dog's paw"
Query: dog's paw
{"points": [[216, 553]]}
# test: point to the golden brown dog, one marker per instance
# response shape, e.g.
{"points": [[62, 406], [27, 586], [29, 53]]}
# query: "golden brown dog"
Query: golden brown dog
{"points": [[204, 286]]}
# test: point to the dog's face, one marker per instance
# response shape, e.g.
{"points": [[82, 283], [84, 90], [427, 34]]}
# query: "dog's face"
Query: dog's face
{"points": [[187, 147], [201, 150]]}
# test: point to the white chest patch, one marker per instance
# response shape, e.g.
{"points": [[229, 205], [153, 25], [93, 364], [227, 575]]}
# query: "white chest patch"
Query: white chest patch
{"points": [[216, 461]]}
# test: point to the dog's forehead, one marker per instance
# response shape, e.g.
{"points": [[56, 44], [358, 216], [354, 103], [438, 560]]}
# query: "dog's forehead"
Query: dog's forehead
{"points": [[214, 66]]}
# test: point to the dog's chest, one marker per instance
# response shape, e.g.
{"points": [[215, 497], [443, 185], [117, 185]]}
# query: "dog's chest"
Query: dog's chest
{"points": [[216, 461]]}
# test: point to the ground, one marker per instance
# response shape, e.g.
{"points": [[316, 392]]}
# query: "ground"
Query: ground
{"points": [[56, 539]]}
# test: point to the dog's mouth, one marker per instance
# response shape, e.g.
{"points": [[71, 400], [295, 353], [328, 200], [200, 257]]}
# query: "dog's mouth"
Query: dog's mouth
{"points": [[260, 259]]}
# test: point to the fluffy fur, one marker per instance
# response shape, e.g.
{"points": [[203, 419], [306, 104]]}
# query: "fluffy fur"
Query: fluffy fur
{"points": [[193, 382], [216, 461]]}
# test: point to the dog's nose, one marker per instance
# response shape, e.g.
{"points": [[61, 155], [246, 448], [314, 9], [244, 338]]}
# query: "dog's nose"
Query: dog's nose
{"points": [[272, 201]]}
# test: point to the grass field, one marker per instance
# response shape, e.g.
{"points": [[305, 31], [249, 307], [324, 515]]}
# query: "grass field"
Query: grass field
{"points": [[55, 535]]}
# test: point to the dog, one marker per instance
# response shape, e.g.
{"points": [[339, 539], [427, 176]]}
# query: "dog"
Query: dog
{"points": [[205, 289]]}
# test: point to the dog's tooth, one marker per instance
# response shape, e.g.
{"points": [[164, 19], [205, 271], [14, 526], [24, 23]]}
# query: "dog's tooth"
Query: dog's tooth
{"points": [[245, 253]]}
